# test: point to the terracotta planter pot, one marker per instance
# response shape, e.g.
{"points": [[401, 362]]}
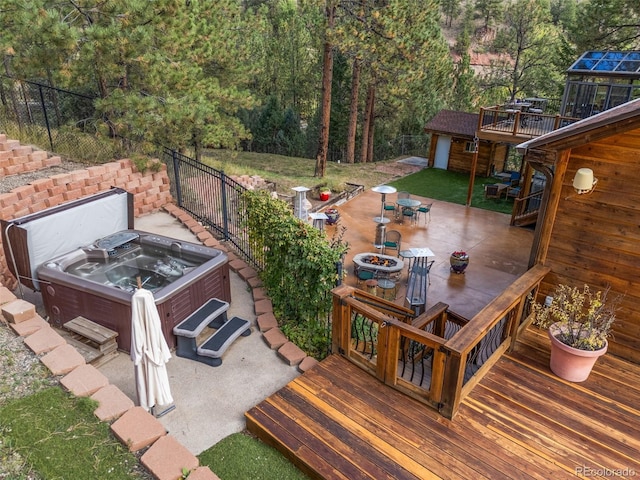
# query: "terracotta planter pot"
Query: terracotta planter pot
{"points": [[324, 196], [572, 364]]}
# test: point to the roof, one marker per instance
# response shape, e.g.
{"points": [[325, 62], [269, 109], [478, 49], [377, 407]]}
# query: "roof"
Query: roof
{"points": [[452, 122], [610, 122], [601, 62]]}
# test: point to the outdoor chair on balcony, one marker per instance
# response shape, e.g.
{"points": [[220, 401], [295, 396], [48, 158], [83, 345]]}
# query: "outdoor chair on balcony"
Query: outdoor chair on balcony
{"points": [[409, 213], [513, 192], [392, 241], [424, 209]]}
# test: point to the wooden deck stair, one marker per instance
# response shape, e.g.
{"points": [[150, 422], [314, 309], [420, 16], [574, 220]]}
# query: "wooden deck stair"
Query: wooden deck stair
{"points": [[526, 219], [520, 421]]}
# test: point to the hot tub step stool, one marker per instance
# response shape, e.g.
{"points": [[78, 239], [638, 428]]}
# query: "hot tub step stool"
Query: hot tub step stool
{"points": [[213, 313], [214, 347], [97, 344]]}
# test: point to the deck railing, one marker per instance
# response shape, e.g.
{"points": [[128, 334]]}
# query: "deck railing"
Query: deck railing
{"points": [[438, 356], [499, 119], [526, 206]]}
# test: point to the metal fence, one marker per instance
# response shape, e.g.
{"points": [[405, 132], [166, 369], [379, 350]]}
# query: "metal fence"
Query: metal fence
{"points": [[66, 121], [212, 198]]}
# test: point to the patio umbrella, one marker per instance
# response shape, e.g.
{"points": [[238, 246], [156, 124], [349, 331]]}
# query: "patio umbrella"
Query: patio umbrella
{"points": [[150, 353]]}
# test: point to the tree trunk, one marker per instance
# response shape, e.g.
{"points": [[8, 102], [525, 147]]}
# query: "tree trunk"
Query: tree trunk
{"points": [[353, 112], [367, 135], [327, 75]]}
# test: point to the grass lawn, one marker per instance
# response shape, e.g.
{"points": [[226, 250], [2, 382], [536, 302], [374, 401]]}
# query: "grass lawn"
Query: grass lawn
{"points": [[52, 434], [451, 187], [289, 172], [58, 436]]}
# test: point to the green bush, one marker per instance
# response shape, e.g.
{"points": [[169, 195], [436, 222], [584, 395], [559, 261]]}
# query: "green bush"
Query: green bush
{"points": [[300, 264]]}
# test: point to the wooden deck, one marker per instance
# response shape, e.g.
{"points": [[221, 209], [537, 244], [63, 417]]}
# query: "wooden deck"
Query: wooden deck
{"points": [[520, 421]]}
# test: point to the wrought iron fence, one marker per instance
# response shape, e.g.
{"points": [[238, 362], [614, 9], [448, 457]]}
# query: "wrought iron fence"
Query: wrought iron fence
{"points": [[212, 198]]}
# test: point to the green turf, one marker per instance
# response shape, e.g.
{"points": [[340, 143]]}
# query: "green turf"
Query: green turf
{"points": [[451, 187], [240, 456], [59, 437]]}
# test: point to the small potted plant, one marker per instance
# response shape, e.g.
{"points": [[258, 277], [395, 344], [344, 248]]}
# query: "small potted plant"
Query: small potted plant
{"points": [[459, 261], [325, 193], [578, 322], [332, 215]]}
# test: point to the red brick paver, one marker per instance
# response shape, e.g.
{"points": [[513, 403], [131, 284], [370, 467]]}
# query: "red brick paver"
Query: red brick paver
{"points": [[112, 403], [84, 381], [166, 458], [63, 359], [137, 429], [44, 340], [291, 353]]}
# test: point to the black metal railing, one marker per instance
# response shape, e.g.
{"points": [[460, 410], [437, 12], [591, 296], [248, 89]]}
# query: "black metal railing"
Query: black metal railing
{"points": [[212, 198]]}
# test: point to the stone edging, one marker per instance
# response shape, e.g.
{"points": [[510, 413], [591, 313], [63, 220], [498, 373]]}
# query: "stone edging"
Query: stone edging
{"points": [[165, 457], [267, 322]]}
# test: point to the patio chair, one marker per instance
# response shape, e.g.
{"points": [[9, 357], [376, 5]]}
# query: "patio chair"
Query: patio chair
{"points": [[363, 274], [410, 213], [424, 209], [390, 207], [392, 241], [513, 192], [491, 191], [403, 194], [514, 181]]}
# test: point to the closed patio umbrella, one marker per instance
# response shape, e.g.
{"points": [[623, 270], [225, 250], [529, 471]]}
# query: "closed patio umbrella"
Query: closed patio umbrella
{"points": [[150, 353]]}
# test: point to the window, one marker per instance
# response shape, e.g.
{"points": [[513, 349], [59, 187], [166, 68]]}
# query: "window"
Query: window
{"points": [[470, 147]]}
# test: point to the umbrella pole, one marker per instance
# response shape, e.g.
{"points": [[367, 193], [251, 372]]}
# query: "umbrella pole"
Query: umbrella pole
{"points": [[162, 412]]}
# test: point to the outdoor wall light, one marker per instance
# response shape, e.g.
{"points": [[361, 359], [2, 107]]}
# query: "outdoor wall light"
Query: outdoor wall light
{"points": [[584, 182]]}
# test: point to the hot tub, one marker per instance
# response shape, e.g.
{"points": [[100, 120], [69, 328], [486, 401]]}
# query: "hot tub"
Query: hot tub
{"points": [[97, 281]]}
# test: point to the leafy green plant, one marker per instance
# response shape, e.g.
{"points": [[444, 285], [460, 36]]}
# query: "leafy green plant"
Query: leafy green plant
{"points": [[142, 164], [300, 262]]}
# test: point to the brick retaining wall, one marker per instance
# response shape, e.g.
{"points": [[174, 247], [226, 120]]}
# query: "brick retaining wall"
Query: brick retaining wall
{"points": [[150, 191]]}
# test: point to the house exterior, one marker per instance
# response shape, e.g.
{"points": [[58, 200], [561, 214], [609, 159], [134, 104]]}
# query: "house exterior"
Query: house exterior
{"points": [[453, 144], [594, 237]]}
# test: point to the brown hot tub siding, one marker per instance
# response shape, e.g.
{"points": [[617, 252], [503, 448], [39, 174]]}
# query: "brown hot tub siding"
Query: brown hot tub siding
{"points": [[63, 303]]}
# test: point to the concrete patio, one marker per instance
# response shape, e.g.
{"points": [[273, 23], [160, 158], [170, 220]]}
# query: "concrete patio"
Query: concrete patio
{"points": [[498, 252]]}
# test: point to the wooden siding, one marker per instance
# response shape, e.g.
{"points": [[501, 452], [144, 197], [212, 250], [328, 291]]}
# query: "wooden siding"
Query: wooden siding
{"points": [[596, 237], [489, 155], [520, 421]]}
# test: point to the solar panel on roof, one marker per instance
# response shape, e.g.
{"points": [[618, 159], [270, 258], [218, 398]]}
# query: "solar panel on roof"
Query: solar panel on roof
{"points": [[605, 61]]}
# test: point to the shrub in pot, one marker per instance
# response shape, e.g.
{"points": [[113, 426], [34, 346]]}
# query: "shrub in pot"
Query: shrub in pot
{"points": [[578, 322]]}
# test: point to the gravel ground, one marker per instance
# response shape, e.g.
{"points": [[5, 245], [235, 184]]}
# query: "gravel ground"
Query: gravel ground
{"points": [[13, 181]]}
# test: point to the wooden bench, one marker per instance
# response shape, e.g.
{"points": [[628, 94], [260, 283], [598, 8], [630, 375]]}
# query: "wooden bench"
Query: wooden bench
{"points": [[214, 346], [94, 342], [213, 313]]}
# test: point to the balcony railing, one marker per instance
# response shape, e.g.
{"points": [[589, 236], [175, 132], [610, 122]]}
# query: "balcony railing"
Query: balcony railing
{"points": [[438, 356], [506, 121]]}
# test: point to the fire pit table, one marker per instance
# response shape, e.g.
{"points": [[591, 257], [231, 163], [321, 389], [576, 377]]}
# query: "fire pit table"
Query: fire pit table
{"points": [[381, 264]]}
